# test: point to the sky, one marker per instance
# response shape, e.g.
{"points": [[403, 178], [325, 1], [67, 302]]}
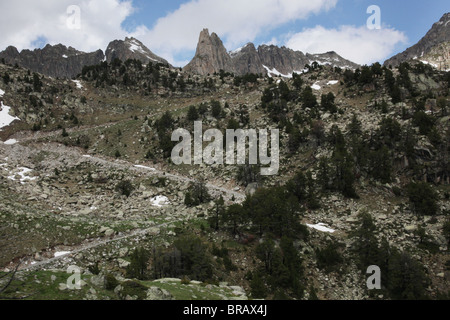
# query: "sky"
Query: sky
{"points": [[170, 28]]}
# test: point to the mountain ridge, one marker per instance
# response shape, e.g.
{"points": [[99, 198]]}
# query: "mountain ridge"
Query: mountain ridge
{"points": [[60, 61], [437, 35], [212, 56]]}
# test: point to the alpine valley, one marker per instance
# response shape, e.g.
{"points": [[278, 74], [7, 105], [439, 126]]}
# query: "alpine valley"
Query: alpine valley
{"points": [[87, 183]]}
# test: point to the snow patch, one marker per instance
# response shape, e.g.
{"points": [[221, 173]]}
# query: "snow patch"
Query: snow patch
{"points": [[429, 63], [144, 167], [78, 83], [1, 93], [5, 118], [332, 82], [316, 86], [64, 56], [159, 201], [11, 141], [235, 52], [23, 173], [275, 72], [321, 227], [61, 253], [137, 48]]}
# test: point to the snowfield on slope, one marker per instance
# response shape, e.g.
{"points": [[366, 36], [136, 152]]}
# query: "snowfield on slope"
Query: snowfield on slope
{"points": [[5, 118], [321, 227]]}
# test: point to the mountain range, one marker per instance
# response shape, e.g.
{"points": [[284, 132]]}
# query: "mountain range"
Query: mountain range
{"points": [[211, 56], [60, 61]]}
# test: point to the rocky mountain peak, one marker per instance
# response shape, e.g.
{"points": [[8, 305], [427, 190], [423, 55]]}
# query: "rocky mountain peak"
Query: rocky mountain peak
{"points": [[131, 48], [437, 36], [249, 47], [211, 56]]}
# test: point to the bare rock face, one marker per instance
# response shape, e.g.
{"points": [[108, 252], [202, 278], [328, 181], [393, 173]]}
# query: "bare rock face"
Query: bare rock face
{"points": [[438, 57], [283, 60], [131, 48], [439, 34], [211, 56], [247, 60], [55, 61]]}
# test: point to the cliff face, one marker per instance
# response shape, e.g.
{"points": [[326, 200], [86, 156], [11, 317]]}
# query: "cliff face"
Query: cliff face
{"points": [[211, 56], [247, 60], [131, 48], [284, 60], [438, 36], [55, 61]]}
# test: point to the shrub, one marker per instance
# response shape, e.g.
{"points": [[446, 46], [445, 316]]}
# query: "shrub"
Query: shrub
{"points": [[94, 269], [110, 282], [197, 194], [329, 257], [125, 188], [216, 109], [423, 198]]}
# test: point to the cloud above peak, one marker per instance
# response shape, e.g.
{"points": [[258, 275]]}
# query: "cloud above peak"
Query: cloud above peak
{"points": [[235, 21], [358, 44], [27, 24], [24, 22]]}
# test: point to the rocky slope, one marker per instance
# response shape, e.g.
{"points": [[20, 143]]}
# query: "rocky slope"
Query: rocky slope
{"points": [[212, 56], [131, 48], [432, 41], [76, 141]]}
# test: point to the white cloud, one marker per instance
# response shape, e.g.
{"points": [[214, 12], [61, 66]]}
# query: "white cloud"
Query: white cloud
{"points": [[357, 44], [24, 21], [235, 21], [175, 35]]}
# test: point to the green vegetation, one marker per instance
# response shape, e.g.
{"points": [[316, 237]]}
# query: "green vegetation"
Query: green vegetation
{"points": [[423, 198]]}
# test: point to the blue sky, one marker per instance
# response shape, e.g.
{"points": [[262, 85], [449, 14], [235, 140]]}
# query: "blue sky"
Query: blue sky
{"points": [[413, 18], [170, 28]]}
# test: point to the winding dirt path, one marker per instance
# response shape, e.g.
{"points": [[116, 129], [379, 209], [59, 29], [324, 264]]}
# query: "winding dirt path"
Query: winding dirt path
{"points": [[77, 156]]}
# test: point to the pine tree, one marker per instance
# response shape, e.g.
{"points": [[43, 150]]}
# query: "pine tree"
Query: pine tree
{"points": [[365, 243], [138, 264], [258, 288], [407, 280], [192, 114], [217, 213]]}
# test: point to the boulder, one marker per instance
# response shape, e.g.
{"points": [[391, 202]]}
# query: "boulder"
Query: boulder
{"points": [[155, 294]]}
